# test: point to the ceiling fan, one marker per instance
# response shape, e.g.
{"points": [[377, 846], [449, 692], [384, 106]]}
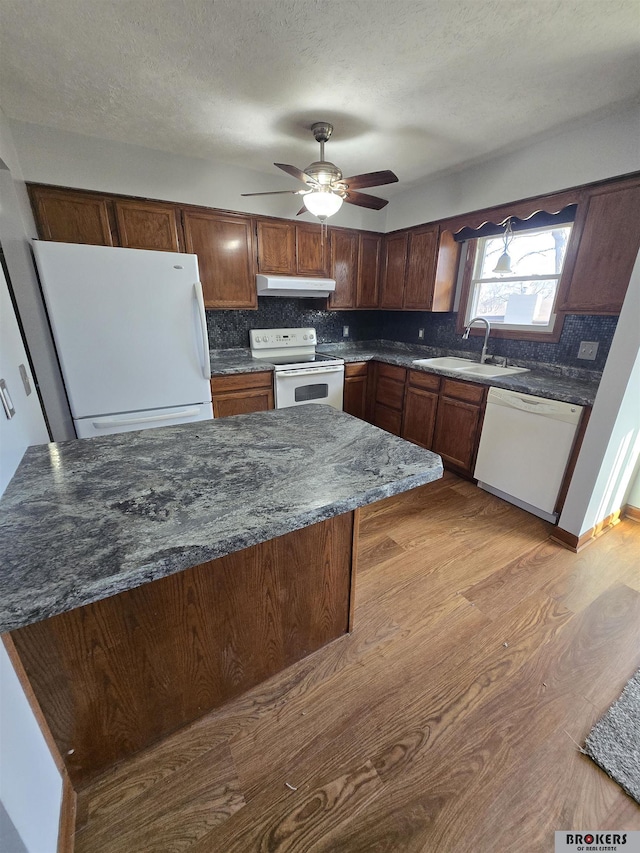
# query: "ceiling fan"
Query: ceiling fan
{"points": [[326, 189]]}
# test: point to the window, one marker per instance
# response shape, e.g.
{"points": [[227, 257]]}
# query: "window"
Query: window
{"points": [[524, 298]]}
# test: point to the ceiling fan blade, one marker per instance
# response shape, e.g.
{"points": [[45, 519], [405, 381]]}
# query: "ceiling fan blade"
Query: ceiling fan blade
{"points": [[303, 209], [279, 192], [295, 172], [364, 200], [370, 179]]}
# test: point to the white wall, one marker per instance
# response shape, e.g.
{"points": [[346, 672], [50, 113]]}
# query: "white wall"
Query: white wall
{"points": [[632, 497], [585, 152], [16, 230], [611, 444], [52, 156]]}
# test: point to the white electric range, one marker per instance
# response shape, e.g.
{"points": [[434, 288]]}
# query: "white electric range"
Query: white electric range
{"points": [[301, 375]]}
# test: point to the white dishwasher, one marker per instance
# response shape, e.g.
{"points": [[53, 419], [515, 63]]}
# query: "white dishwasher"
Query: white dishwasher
{"points": [[524, 448]]}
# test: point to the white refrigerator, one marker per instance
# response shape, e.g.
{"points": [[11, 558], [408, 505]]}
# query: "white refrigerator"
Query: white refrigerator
{"points": [[131, 335]]}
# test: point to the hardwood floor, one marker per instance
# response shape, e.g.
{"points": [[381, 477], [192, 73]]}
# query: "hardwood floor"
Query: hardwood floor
{"points": [[449, 720]]}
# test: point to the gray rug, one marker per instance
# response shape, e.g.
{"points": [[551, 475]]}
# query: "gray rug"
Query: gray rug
{"points": [[614, 741]]}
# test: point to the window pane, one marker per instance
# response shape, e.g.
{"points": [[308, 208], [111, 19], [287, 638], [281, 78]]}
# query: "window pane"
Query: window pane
{"points": [[538, 252], [516, 302]]}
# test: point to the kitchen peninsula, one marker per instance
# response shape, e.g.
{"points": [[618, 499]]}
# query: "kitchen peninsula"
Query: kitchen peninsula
{"points": [[149, 577]]}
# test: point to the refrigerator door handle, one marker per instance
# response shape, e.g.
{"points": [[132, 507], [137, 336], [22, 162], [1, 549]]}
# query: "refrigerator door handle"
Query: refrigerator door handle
{"points": [[199, 297], [111, 423]]}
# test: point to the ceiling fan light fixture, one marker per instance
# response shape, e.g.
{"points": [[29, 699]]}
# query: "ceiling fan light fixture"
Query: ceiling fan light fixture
{"points": [[322, 203]]}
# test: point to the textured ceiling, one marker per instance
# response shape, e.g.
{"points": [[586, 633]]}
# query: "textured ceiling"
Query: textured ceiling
{"points": [[417, 87]]}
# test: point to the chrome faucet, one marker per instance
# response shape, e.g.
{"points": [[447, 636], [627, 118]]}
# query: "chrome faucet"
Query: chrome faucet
{"points": [[484, 357]]}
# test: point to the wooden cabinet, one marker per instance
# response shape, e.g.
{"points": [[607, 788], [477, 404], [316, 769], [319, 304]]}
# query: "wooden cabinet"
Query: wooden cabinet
{"points": [[71, 217], [224, 246], [355, 265], [146, 225], [292, 248], [420, 407], [389, 397], [276, 247], [356, 387], [344, 267], [368, 280], [607, 249], [393, 270], [241, 393], [419, 269], [458, 422]]}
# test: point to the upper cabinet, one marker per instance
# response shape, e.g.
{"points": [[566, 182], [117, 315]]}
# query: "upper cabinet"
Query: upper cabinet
{"points": [[146, 225], [66, 216], [609, 218], [292, 248], [355, 265], [226, 257], [419, 269]]}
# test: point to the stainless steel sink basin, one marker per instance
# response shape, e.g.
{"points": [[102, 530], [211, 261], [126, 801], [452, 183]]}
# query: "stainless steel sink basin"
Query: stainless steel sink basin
{"points": [[490, 370], [445, 363]]}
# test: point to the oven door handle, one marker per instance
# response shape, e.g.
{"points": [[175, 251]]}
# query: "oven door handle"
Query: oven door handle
{"points": [[313, 372]]}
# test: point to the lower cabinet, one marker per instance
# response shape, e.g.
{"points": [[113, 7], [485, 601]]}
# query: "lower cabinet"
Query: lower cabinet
{"points": [[356, 388], [241, 393], [458, 422], [420, 407], [389, 397]]}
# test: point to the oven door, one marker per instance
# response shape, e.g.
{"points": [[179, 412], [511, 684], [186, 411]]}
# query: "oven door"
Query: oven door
{"points": [[310, 385]]}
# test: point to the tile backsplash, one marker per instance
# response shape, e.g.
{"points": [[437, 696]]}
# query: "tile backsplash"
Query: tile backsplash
{"points": [[231, 329]]}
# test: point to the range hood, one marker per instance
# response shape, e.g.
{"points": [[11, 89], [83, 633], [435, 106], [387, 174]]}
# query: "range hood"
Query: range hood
{"points": [[287, 285]]}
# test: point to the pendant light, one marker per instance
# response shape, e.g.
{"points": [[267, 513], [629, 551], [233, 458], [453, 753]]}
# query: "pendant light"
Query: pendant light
{"points": [[503, 267]]}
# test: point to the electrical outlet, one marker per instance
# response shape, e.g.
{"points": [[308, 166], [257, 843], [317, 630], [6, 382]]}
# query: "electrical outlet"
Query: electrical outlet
{"points": [[420, 334], [588, 350], [345, 331]]}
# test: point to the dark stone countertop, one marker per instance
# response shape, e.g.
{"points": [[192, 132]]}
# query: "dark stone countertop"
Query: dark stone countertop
{"points": [[548, 381], [84, 520]]}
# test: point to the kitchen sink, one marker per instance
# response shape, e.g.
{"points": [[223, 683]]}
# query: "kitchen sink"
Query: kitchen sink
{"points": [[445, 363], [489, 370]]}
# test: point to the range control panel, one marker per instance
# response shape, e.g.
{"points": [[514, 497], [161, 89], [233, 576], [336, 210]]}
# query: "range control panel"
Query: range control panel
{"points": [[281, 338]]}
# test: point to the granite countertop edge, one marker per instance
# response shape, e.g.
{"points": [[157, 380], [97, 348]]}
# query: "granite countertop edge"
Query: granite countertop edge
{"points": [[535, 381]]}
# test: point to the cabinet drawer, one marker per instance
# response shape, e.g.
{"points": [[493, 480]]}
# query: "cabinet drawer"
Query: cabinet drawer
{"points": [[427, 381], [392, 371], [389, 393], [241, 381], [463, 391], [356, 368], [387, 419]]}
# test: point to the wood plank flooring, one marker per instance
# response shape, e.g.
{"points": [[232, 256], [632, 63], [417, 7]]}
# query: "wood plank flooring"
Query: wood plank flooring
{"points": [[449, 720]]}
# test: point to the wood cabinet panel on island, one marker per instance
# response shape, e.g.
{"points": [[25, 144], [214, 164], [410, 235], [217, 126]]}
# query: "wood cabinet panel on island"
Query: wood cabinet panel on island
{"points": [[241, 393], [224, 246]]}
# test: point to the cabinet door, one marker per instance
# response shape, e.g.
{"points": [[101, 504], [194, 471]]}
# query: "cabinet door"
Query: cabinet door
{"points": [[224, 246], [276, 247], [242, 402], [69, 217], [606, 253], [144, 225], [456, 433], [355, 396], [419, 416], [312, 250], [368, 286], [344, 268], [395, 262], [421, 266]]}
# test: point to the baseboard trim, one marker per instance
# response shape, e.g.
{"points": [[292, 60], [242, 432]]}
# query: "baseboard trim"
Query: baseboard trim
{"points": [[632, 512], [67, 825], [577, 543]]}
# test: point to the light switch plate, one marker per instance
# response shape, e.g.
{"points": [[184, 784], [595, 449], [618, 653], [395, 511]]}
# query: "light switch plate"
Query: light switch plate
{"points": [[588, 350], [345, 331], [420, 334]]}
